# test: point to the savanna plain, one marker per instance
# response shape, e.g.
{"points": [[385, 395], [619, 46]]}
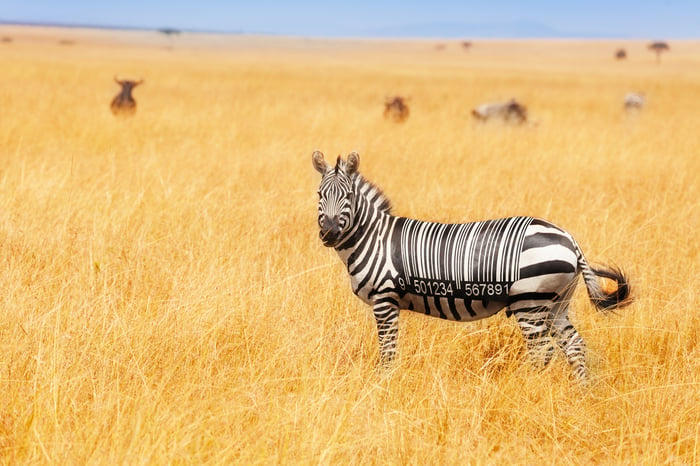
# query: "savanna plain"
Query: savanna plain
{"points": [[166, 299]]}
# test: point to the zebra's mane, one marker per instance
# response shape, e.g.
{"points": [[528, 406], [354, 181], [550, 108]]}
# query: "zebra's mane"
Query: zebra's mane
{"points": [[372, 193]]}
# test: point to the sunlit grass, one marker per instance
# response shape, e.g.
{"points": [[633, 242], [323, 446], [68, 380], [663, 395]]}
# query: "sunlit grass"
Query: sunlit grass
{"points": [[166, 297]]}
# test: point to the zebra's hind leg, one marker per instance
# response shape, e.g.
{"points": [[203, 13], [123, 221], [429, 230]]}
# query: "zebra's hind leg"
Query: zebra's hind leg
{"points": [[536, 325], [567, 337], [572, 345]]}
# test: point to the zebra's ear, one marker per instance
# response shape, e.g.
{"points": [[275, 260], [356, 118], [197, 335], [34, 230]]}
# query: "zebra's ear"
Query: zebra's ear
{"points": [[353, 163], [320, 165]]}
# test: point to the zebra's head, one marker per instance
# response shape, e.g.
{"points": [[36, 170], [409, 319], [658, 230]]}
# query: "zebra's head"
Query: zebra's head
{"points": [[336, 196]]}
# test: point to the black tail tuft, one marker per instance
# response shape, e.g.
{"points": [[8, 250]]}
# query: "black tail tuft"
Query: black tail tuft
{"points": [[620, 297]]}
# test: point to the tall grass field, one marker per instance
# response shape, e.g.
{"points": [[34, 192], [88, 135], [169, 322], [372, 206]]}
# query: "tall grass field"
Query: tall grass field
{"points": [[165, 298]]}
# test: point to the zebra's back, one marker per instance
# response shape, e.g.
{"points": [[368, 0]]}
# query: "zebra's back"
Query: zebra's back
{"points": [[467, 271], [457, 271]]}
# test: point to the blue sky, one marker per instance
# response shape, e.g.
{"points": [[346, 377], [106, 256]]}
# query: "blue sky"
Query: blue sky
{"points": [[644, 19]]}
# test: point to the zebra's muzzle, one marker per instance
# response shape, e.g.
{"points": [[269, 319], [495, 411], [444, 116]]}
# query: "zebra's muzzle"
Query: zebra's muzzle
{"points": [[330, 231]]}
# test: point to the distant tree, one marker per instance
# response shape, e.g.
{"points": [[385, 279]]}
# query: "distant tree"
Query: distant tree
{"points": [[170, 33], [466, 45], [620, 54], [658, 48]]}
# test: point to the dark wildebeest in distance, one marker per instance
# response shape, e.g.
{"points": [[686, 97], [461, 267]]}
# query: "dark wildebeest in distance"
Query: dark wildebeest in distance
{"points": [[508, 112], [620, 54], [635, 101], [124, 103], [396, 108]]}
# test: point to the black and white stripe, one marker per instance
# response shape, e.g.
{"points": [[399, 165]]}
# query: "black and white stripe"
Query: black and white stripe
{"points": [[460, 272], [486, 251]]}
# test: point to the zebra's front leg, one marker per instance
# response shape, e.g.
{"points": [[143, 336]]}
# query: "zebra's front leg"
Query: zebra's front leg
{"points": [[386, 312]]}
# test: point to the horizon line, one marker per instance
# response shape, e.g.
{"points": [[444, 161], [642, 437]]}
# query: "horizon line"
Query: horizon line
{"points": [[563, 36]]}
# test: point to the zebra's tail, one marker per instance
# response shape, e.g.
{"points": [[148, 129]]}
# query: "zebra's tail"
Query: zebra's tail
{"points": [[602, 299]]}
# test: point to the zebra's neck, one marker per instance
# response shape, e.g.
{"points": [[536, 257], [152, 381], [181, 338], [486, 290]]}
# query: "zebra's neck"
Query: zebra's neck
{"points": [[371, 194], [371, 209]]}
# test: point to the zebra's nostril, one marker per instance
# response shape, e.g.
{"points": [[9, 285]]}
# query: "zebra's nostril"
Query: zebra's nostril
{"points": [[329, 236]]}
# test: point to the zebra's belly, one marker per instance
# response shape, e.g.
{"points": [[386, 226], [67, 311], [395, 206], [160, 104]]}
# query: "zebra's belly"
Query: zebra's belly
{"points": [[451, 308]]}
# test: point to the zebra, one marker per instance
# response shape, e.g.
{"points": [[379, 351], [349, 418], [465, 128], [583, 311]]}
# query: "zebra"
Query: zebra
{"points": [[123, 103], [634, 101], [460, 272], [511, 111]]}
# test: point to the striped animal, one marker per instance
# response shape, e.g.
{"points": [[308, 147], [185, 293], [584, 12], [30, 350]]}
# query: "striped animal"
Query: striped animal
{"points": [[123, 103], [509, 112], [396, 109], [635, 101], [459, 272]]}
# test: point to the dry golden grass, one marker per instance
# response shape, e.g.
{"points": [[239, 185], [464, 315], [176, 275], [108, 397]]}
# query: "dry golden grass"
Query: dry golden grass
{"points": [[165, 297]]}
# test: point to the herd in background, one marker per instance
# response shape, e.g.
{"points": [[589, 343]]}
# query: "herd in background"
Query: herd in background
{"points": [[396, 108], [510, 112]]}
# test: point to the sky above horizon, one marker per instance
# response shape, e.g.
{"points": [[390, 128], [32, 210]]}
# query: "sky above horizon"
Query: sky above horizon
{"points": [[643, 19]]}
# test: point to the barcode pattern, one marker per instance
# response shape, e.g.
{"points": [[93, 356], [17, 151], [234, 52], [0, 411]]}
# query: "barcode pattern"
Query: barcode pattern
{"points": [[479, 252]]}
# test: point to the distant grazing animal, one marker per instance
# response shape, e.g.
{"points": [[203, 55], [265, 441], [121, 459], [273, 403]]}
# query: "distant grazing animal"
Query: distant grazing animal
{"points": [[124, 103], [462, 272], [620, 54], [635, 101], [509, 112], [396, 108]]}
